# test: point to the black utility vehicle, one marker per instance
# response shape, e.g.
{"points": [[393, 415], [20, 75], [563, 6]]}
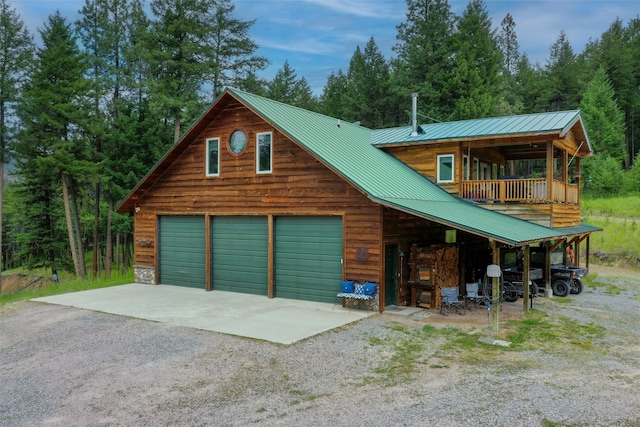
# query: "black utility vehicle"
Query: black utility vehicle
{"points": [[565, 279]]}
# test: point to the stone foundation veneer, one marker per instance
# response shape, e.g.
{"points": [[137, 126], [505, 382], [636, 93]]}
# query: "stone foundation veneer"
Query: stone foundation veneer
{"points": [[145, 275]]}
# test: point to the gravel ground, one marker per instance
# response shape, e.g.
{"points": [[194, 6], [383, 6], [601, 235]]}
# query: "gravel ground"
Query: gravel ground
{"points": [[72, 367]]}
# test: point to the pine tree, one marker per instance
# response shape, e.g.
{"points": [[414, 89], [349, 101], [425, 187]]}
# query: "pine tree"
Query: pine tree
{"points": [[253, 84], [104, 32], [476, 83], [509, 101], [603, 118], [229, 51], [286, 87], [562, 89], [368, 89], [618, 51], [175, 54], [16, 53], [424, 57], [333, 98], [53, 145], [528, 83], [632, 111], [508, 44]]}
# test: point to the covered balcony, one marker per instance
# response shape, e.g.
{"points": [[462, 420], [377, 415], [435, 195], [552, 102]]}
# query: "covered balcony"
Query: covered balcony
{"points": [[538, 181], [517, 190]]}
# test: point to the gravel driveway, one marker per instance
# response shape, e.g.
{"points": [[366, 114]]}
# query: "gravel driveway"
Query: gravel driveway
{"points": [[64, 366]]}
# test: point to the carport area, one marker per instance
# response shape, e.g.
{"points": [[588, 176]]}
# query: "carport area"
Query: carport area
{"points": [[278, 320]]}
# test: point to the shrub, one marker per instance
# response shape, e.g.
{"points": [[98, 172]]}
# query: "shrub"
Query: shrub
{"points": [[604, 176]]}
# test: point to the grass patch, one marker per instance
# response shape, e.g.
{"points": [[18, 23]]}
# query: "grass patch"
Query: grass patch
{"points": [[619, 242], [540, 331], [592, 281], [411, 348], [548, 423], [65, 285], [628, 206]]}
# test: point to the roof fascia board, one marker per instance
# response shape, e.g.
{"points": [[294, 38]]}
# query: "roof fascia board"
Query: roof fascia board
{"points": [[470, 139], [569, 125]]}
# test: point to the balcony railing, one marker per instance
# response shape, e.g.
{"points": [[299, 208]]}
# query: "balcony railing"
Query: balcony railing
{"points": [[520, 191]]}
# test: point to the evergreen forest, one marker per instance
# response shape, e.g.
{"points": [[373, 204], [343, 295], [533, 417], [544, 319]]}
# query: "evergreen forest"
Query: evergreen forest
{"points": [[88, 111]]}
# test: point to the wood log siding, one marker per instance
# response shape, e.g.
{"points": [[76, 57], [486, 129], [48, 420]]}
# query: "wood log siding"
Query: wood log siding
{"points": [[145, 229], [547, 214], [404, 229], [299, 185]]}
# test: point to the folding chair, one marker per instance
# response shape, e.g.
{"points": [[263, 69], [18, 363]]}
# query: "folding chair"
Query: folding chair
{"points": [[450, 299], [473, 295]]}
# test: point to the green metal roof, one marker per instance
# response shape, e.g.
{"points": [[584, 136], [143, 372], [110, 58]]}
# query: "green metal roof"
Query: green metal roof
{"points": [[559, 122], [347, 150], [579, 229]]}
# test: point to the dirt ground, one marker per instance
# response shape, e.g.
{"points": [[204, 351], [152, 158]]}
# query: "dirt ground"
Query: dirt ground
{"points": [[63, 366], [16, 282]]}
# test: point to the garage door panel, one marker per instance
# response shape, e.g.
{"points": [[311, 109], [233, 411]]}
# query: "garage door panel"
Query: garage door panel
{"points": [[308, 257], [239, 254], [181, 252]]}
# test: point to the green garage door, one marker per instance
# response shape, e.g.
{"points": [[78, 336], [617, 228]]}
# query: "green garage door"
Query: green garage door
{"points": [[239, 254], [308, 257], [182, 251]]}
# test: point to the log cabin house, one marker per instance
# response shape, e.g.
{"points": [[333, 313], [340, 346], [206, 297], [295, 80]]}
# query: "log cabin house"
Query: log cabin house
{"points": [[264, 198]]}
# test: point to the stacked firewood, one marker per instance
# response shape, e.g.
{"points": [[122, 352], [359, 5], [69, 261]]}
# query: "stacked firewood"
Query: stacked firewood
{"points": [[437, 264]]}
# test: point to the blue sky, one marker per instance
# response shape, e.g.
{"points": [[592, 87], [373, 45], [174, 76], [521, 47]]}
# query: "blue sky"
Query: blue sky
{"points": [[318, 37]]}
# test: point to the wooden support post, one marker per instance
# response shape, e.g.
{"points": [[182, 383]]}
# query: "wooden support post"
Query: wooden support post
{"points": [[549, 187], [578, 177], [565, 175], [548, 292], [525, 278], [495, 291]]}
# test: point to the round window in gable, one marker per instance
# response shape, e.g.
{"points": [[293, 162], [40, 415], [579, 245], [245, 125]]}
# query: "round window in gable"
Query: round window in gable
{"points": [[237, 142]]}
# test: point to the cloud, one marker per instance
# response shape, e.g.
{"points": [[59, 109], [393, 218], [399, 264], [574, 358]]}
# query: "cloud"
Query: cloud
{"points": [[379, 9], [539, 23]]}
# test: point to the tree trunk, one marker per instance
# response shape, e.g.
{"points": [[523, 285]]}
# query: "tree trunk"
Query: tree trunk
{"points": [[126, 256], [109, 245], [118, 252], [96, 234], [67, 214], [76, 221], [1, 204]]}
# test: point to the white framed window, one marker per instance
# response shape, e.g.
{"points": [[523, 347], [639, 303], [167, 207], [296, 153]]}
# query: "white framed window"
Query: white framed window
{"points": [[476, 169], [445, 168], [213, 156], [465, 164], [264, 152]]}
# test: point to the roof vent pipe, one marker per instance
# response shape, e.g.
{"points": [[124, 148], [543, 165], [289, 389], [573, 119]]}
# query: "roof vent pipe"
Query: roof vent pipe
{"points": [[414, 114]]}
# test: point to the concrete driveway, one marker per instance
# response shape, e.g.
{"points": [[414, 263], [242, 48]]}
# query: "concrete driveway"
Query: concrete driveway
{"points": [[278, 320]]}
